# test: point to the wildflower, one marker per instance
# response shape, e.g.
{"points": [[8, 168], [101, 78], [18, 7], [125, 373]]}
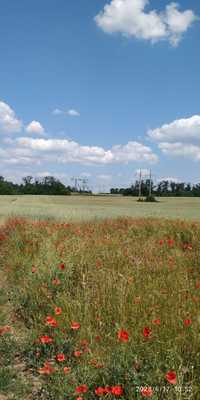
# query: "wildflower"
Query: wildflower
{"points": [[98, 263], [67, 370], [123, 335], [117, 390], [77, 353], [146, 392], [82, 389], [171, 377], [170, 242], [187, 322], [61, 266], [46, 339], [47, 369], [33, 269], [51, 321], [60, 357], [56, 282], [100, 391], [58, 310], [156, 321], [5, 329], [147, 332], [75, 326], [161, 242]]}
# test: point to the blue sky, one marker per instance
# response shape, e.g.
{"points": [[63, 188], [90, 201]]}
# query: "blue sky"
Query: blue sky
{"points": [[100, 88]]}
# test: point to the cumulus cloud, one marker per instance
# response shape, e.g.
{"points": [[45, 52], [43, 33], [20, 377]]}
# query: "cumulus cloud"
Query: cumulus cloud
{"points": [[35, 127], [179, 149], [184, 129], [65, 151], [180, 138], [130, 18], [9, 123]]}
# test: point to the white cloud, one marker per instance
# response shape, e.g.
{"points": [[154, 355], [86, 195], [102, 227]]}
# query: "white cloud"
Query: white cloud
{"points": [[70, 113], [73, 113], [35, 127], [65, 151], [57, 111], [9, 123], [130, 18], [179, 149], [184, 129]]}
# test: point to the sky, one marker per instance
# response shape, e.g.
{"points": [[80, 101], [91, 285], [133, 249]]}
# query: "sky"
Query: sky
{"points": [[99, 89]]}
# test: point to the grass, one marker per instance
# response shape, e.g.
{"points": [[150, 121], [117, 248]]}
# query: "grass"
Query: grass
{"points": [[117, 300], [76, 208]]}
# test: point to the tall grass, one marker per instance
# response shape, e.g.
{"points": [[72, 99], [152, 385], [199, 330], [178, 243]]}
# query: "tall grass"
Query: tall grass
{"points": [[117, 302]]}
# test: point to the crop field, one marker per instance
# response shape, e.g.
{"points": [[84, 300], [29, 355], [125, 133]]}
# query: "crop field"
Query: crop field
{"points": [[76, 208], [103, 309]]}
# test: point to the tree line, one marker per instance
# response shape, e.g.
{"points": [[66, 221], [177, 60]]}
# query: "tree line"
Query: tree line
{"points": [[163, 188], [38, 186]]}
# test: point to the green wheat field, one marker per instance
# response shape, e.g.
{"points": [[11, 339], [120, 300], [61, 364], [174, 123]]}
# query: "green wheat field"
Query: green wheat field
{"points": [[76, 208]]}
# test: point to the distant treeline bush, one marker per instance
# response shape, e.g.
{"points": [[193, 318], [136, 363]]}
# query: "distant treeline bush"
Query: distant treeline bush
{"points": [[163, 188], [44, 186]]}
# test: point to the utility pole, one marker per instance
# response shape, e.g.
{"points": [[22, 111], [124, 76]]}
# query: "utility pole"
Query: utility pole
{"points": [[140, 185], [150, 184]]}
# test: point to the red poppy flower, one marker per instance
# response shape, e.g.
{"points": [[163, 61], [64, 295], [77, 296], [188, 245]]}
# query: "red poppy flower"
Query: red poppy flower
{"points": [[100, 391], [67, 370], [60, 357], [117, 390], [46, 339], [47, 369], [123, 335], [170, 242], [56, 282], [146, 392], [77, 353], [5, 329], [156, 321], [79, 398], [187, 322], [58, 310], [82, 389], [171, 377], [147, 332], [98, 263], [61, 266], [75, 326], [51, 321], [97, 338], [161, 242]]}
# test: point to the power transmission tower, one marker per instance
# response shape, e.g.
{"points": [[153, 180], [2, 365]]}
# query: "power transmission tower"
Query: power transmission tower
{"points": [[75, 180]]}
